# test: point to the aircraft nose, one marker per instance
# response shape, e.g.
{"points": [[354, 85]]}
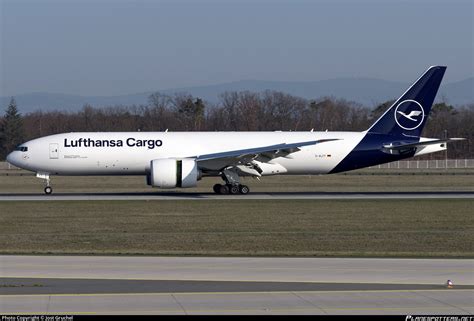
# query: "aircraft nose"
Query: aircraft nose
{"points": [[13, 158]]}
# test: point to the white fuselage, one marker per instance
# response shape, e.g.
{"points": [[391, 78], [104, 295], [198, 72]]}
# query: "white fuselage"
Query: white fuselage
{"points": [[130, 153]]}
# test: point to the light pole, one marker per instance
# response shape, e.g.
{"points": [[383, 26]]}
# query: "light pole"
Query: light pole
{"points": [[446, 153]]}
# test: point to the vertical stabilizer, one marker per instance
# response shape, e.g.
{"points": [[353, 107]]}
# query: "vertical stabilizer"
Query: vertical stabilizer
{"points": [[408, 115]]}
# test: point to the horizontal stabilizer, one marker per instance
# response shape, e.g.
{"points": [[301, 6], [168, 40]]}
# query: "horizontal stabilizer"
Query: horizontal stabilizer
{"points": [[394, 146]]}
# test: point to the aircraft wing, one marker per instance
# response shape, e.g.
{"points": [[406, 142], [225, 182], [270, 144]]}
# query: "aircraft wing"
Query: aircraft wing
{"points": [[244, 156], [421, 144]]}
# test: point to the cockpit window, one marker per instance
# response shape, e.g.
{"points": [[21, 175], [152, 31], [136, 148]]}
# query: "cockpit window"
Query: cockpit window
{"points": [[21, 148]]}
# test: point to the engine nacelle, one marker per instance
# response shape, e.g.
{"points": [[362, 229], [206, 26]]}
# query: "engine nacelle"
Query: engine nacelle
{"points": [[171, 173]]}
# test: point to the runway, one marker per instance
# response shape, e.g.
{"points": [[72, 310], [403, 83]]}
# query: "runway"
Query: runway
{"points": [[209, 285], [251, 196], [109, 286]]}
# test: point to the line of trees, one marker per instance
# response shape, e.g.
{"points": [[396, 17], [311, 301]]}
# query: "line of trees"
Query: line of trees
{"points": [[235, 111], [11, 129]]}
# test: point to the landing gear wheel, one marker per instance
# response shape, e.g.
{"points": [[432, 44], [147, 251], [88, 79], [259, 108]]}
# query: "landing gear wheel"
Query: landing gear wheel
{"points": [[244, 189], [223, 189], [217, 188], [233, 189], [48, 190]]}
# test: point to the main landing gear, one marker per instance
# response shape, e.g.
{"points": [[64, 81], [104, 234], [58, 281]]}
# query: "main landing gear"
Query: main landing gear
{"points": [[232, 184], [231, 189], [47, 189]]}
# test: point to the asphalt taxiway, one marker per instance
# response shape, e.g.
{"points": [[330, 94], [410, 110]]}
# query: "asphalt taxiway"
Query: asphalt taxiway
{"points": [[210, 285], [251, 196]]}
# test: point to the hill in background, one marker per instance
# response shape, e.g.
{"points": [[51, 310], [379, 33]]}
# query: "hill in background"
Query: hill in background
{"points": [[366, 91]]}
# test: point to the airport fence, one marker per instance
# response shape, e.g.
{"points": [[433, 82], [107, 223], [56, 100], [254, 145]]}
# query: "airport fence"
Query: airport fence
{"points": [[428, 164], [409, 164]]}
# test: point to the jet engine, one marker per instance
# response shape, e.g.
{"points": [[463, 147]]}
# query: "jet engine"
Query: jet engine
{"points": [[171, 173]]}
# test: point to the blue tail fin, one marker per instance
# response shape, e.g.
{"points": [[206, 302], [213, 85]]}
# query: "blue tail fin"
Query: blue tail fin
{"points": [[408, 115]]}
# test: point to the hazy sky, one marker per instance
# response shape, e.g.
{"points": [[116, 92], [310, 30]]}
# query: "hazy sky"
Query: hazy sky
{"points": [[111, 47]]}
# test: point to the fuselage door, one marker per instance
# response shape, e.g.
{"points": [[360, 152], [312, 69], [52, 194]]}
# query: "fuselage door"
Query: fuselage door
{"points": [[53, 151]]}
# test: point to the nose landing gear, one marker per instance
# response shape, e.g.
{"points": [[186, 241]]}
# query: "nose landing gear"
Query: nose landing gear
{"points": [[44, 176]]}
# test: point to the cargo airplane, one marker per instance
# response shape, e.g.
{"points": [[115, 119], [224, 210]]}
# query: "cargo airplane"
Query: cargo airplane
{"points": [[181, 159]]}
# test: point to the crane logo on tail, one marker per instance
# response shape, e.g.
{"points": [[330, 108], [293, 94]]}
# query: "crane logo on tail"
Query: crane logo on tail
{"points": [[409, 114]]}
